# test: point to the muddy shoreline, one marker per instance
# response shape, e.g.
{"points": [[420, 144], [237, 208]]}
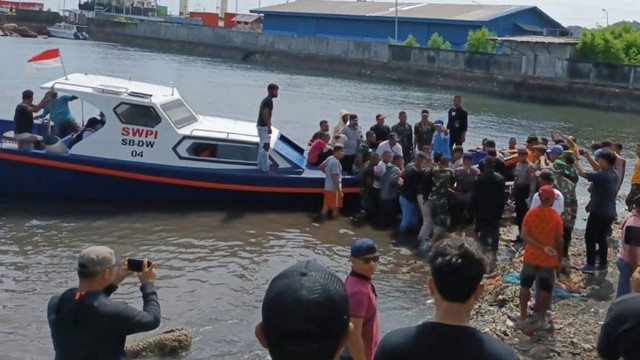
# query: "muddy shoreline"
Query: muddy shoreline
{"points": [[576, 320]]}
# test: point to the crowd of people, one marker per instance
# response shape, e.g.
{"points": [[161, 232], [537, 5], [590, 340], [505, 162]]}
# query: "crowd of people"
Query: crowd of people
{"points": [[310, 313], [408, 171]]}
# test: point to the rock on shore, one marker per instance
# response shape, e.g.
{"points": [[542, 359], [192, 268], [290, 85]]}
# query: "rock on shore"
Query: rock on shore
{"points": [[170, 343], [17, 31]]}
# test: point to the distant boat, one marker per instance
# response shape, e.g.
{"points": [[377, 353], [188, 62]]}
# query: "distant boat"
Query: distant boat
{"points": [[68, 31]]}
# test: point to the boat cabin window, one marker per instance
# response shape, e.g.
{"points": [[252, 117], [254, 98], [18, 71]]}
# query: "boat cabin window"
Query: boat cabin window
{"points": [[179, 113], [138, 115], [233, 152]]}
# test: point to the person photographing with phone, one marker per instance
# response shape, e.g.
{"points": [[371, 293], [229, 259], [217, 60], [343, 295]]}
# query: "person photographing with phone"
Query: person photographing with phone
{"points": [[85, 323]]}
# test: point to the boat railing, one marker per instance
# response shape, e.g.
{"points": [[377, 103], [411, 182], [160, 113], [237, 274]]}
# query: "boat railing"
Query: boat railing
{"points": [[106, 89]]}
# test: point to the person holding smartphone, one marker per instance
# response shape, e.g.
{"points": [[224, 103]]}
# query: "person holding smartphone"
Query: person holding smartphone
{"points": [[85, 323], [629, 256]]}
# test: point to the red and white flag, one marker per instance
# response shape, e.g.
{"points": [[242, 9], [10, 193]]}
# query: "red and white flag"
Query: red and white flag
{"points": [[46, 59]]}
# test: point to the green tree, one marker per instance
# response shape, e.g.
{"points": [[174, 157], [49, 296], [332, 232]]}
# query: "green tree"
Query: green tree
{"points": [[411, 41], [437, 42], [480, 41], [619, 43]]}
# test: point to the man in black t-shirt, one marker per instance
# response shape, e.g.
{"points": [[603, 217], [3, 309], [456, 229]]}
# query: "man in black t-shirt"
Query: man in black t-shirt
{"points": [[264, 127], [457, 268], [23, 121], [382, 131], [457, 124]]}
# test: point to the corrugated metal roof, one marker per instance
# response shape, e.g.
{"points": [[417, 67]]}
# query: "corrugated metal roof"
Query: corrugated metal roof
{"points": [[460, 12], [539, 39], [246, 18]]}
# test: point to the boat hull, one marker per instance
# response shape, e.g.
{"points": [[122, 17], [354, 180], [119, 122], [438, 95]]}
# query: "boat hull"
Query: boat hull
{"points": [[52, 175], [61, 34]]}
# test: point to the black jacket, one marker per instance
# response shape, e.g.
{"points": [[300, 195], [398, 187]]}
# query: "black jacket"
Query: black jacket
{"points": [[489, 198], [92, 326]]}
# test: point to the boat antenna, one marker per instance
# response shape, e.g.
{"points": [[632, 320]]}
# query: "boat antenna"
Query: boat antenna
{"points": [[172, 87], [82, 110], [63, 68]]}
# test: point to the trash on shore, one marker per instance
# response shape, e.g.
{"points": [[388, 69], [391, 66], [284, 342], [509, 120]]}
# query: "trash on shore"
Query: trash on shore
{"points": [[171, 343], [579, 305]]}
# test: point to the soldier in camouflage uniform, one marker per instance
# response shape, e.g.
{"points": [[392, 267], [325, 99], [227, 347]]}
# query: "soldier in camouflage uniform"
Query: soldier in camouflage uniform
{"points": [[438, 202], [563, 176]]}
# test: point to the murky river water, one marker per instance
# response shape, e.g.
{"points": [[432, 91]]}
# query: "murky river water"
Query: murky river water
{"points": [[214, 265]]}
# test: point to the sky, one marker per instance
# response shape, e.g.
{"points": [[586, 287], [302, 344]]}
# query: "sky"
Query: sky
{"points": [[587, 13]]}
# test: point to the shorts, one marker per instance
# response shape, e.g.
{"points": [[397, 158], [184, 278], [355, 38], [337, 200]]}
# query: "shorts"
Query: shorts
{"points": [[263, 135], [545, 278], [332, 200]]}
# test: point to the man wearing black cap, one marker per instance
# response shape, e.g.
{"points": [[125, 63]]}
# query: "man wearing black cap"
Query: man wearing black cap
{"points": [[390, 145], [86, 324], [457, 269], [305, 314], [603, 206], [363, 307]]}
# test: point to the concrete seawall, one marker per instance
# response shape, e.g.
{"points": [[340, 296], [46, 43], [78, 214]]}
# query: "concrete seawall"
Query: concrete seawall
{"points": [[501, 76]]}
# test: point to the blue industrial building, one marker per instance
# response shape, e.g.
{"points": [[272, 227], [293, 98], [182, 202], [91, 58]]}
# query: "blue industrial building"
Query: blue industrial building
{"points": [[376, 21]]}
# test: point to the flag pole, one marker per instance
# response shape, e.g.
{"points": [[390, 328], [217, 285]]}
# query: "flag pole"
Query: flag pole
{"points": [[63, 68]]}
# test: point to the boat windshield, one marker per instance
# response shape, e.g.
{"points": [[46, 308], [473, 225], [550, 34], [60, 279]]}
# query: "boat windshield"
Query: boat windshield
{"points": [[179, 114]]}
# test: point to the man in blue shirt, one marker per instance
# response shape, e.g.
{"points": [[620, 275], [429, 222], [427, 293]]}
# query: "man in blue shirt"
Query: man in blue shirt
{"points": [[603, 206], [441, 139], [58, 109]]}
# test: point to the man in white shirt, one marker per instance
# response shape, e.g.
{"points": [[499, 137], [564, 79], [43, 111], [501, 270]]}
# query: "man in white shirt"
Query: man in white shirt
{"points": [[390, 145], [546, 178]]}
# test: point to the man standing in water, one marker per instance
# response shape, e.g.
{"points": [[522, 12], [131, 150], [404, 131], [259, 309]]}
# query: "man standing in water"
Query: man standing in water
{"points": [[405, 136], [488, 201], [363, 305], [333, 195], [264, 127], [85, 323], [457, 269], [457, 124]]}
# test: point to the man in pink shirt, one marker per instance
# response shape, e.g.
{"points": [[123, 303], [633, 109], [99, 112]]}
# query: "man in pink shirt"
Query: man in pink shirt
{"points": [[363, 307], [629, 256]]}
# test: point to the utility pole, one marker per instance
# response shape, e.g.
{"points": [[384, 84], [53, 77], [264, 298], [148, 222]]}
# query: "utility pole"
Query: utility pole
{"points": [[606, 13], [396, 20]]}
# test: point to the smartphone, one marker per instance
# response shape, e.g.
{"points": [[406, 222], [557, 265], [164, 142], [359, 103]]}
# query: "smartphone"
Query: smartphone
{"points": [[632, 235], [135, 265]]}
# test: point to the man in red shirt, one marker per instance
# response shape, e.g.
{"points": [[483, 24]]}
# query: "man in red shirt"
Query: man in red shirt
{"points": [[363, 307], [542, 235]]}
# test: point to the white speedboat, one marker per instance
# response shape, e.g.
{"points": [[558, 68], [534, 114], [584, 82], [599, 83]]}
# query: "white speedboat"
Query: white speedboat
{"points": [[68, 31], [154, 147]]}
